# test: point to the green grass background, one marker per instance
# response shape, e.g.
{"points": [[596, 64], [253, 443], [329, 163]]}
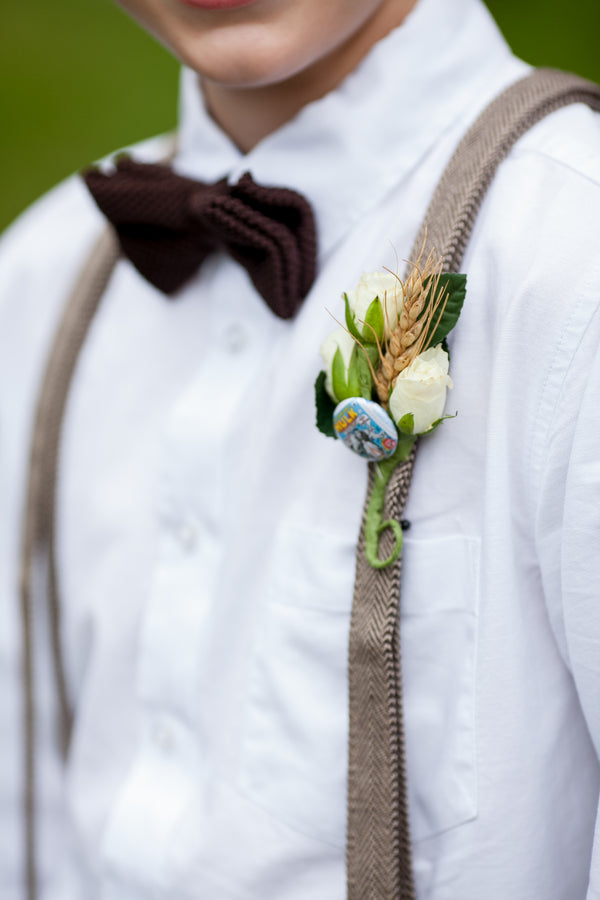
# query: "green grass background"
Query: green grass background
{"points": [[78, 79]]}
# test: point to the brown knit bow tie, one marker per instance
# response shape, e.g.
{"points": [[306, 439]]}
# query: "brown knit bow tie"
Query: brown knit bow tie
{"points": [[167, 225]]}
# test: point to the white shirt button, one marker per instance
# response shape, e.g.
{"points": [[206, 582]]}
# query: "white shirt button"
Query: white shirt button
{"points": [[163, 737], [236, 338], [187, 535]]}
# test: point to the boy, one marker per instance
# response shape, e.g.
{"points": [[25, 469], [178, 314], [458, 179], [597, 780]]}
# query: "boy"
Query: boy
{"points": [[206, 531]]}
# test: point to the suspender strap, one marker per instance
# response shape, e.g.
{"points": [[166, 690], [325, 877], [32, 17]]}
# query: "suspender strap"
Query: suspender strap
{"points": [[459, 195], [378, 847], [379, 865], [38, 530]]}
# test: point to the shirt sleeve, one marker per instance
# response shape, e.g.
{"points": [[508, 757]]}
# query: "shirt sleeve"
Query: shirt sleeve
{"points": [[568, 528], [581, 570]]}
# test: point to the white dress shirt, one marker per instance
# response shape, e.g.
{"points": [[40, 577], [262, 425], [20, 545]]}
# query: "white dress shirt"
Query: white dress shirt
{"points": [[206, 529]]}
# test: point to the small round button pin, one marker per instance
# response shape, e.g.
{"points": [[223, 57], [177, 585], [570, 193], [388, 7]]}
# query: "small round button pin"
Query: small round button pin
{"points": [[187, 535], [365, 428]]}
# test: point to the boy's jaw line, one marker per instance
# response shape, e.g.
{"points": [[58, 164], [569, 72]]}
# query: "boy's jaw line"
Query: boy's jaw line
{"points": [[248, 113]]}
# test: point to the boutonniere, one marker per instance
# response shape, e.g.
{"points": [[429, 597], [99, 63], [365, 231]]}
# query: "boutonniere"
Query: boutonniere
{"points": [[387, 373]]}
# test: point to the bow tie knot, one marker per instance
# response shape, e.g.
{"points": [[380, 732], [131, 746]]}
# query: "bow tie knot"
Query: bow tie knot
{"points": [[168, 224]]}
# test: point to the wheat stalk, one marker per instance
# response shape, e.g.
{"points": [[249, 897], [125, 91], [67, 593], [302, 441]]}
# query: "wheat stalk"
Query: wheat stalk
{"points": [[421, 305], [408, 336]]}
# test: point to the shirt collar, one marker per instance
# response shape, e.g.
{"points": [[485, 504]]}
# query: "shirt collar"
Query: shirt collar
{"points": [[373, 130]]}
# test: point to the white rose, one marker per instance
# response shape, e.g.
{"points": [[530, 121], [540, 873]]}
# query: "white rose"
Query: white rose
{"points": [[420, 389], [371, 285], [338, 339]]}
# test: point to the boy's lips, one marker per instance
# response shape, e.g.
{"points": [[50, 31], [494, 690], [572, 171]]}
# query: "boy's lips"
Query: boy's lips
{"points": [[218, 4]]}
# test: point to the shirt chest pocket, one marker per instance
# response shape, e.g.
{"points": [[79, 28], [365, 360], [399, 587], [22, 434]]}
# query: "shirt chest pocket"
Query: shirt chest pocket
{"points": [[294, 747], [438, 634]]}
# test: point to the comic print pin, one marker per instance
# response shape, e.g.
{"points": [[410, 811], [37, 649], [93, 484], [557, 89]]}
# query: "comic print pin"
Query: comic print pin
{"points": [[365, 428]]}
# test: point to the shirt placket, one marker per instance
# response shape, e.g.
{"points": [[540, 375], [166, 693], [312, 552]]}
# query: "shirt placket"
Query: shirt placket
{"points": [[180, 618]]}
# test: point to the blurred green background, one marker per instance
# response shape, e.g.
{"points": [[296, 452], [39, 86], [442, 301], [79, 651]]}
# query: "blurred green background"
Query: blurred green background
{"points": [[78, 79]]}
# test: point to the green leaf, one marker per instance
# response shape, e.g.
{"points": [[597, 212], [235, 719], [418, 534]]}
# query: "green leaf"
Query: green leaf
{"points": [[373, 354], [438, 422], [351, 320], [433, 426], [373, 330], [338, 376], [457, 289], [365, 379], [325, 407], [407, 424], [353, 383]]}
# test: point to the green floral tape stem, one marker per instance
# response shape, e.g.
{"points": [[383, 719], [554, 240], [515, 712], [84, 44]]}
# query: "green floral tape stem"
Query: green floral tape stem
{"points": [[374, 526]]}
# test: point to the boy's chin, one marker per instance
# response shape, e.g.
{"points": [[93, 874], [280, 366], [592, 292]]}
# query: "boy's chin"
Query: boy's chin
{"points": [[268, 42], [244, 70]]}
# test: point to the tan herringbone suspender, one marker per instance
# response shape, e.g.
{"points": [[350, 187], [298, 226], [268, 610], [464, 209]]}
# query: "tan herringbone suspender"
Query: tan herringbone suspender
{"points": [[38, 524], [459, 195], [378, 847], [378, 844]]}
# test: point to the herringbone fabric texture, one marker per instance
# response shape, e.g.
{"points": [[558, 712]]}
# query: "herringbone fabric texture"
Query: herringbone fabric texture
{"points": [[377, 810], [38, 527], [460, 193], [378, 858]]}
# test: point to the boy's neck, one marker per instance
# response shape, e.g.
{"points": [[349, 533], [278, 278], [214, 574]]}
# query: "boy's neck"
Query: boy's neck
{"points": [[248, 114]]}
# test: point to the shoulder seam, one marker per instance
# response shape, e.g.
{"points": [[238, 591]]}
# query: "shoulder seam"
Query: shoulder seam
{"points": [[530, 151]]}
